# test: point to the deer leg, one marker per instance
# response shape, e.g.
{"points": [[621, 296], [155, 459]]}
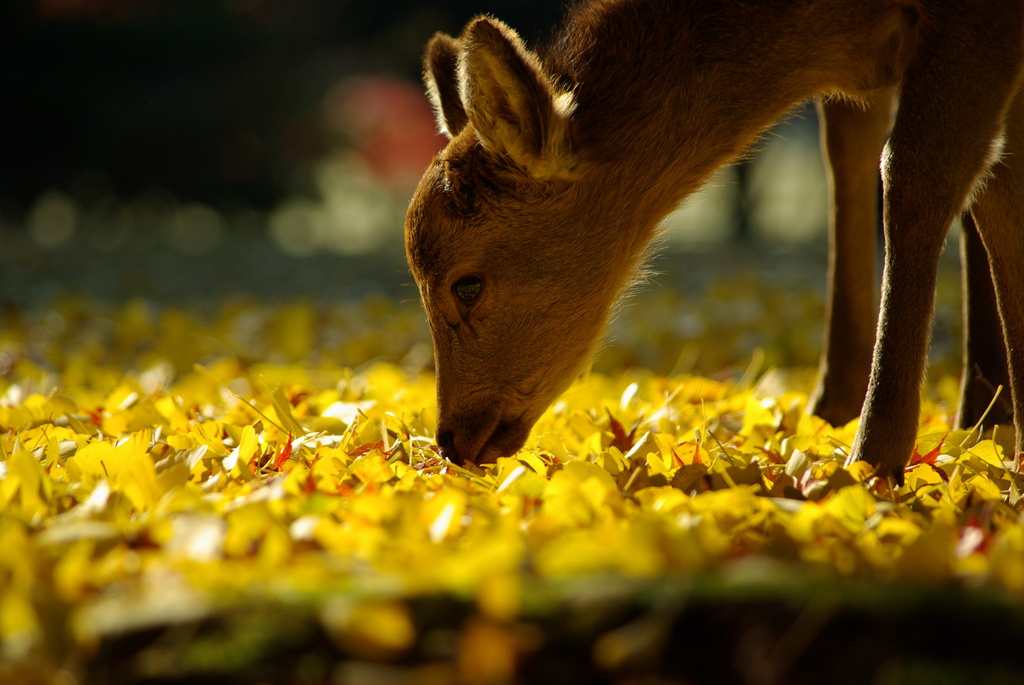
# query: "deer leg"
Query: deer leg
{"points": [[852, 138], [952, 104], [999, 212], [984, 353]]}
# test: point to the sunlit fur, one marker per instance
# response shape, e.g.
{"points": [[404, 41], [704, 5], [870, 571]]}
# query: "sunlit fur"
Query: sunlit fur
{"points": [[561, 163]]}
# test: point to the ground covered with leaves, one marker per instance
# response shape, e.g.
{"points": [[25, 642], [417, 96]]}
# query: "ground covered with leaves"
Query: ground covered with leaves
{"points": [[248, 493]]}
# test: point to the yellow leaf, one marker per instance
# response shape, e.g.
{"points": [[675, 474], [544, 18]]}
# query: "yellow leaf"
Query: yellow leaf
{"points": [[140, 483], [249, 449], [556, 447], [372, 468], [642, 449], [580, 492], [533, 461], [693, 453], [665, 499], [760, 420], [897, 530], [983, 488], [989, 452], [283, 411], [957, 488], [95, 461], [922, 476], [613, 461], [26, 487], [861, 471]]}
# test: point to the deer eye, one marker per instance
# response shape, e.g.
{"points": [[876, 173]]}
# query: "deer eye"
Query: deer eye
{"points": [[467, 289]]}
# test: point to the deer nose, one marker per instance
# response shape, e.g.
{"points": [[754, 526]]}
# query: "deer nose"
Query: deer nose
{"points": [[446, 442]]}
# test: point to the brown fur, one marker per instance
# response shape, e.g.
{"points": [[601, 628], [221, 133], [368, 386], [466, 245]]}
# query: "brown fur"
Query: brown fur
{"points": [[561, 165]]}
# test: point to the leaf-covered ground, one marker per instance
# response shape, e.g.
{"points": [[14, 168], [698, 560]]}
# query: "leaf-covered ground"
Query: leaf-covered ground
{"points": [[250, 493]]}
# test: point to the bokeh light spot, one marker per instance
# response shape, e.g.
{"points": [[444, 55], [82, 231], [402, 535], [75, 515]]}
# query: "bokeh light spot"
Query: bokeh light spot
{"points": [[52, 220]]}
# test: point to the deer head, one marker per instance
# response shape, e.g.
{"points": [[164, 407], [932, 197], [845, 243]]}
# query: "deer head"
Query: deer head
{"points": [[514, 293]]}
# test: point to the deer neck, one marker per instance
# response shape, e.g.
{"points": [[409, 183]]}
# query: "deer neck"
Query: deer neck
{"points": [[663, 103]]}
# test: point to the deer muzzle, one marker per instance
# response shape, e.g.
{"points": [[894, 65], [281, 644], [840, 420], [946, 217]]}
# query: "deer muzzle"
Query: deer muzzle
{"points": [[481, 439]]}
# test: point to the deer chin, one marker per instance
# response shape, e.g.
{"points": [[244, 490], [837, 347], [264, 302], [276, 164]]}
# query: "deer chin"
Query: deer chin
{"points": [[483, 438]]}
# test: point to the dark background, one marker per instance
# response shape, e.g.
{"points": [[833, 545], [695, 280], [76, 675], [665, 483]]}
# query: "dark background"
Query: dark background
{"points": [[220, 101], [189, 149]]}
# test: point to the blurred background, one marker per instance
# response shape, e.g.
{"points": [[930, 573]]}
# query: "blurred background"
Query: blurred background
{"points": [[194, 148], [233, 175], [200, 151]]}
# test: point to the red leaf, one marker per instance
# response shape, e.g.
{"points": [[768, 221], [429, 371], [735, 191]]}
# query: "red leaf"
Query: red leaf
{"points": [[774, 456], [285, 454], [297, 398], [622, 440], [367, 448], [977, 532], [929, 458]]}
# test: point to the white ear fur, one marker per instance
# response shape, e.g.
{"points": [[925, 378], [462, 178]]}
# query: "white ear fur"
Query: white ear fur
{"points": [[440, 73], [512, 103]]}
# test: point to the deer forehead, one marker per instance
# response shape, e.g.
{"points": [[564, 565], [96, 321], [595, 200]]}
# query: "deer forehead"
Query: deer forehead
{"points": [[448, 225], [434, 225]]}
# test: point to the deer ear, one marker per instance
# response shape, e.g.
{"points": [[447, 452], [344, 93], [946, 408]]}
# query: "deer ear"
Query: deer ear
{"points": [[512, 102], [440, 73]]}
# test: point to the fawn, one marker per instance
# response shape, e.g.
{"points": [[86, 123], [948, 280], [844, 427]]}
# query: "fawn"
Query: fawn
{"points": [[560, 164]]}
